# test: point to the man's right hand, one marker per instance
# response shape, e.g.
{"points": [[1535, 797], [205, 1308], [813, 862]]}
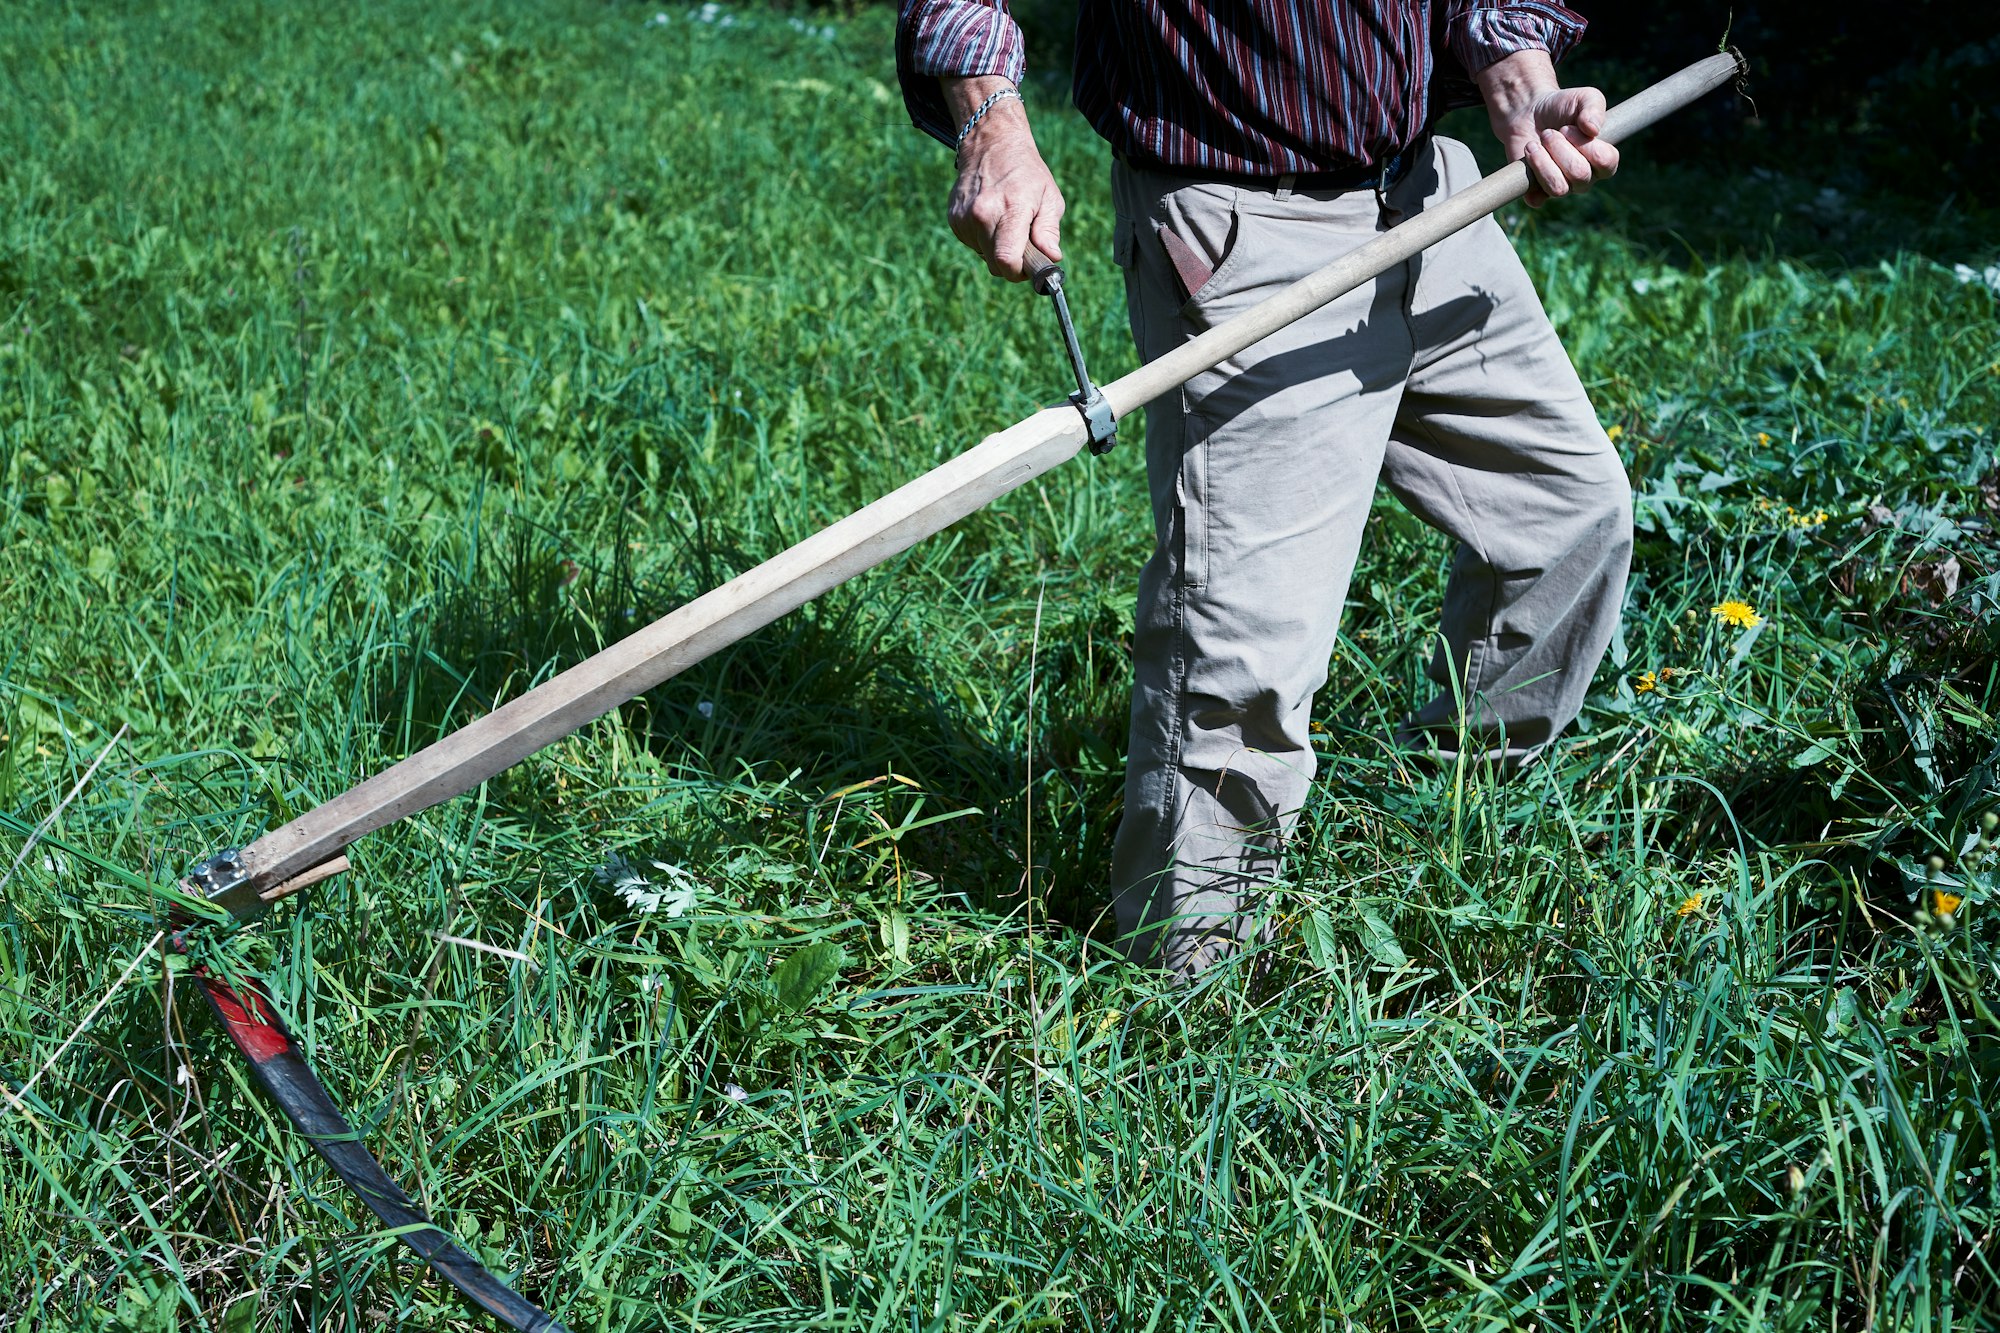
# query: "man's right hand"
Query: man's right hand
{"points": [[1004, 196]]}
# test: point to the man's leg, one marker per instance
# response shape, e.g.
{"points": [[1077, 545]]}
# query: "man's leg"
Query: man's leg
{"points": [[1497, 445], [1261, 474]]}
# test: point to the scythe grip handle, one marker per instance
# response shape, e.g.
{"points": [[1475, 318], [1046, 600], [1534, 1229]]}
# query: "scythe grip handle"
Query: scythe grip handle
{"points": [[1044, 274]]}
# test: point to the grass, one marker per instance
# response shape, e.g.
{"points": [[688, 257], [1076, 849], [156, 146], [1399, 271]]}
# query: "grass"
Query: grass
{"points": [[358, 372]]}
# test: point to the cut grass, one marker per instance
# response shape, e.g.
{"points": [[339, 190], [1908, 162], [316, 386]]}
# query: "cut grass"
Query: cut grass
{"points": [[355, 375]]}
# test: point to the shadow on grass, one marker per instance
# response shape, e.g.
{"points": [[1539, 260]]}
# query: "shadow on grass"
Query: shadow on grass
{"points": [[835, 694]]}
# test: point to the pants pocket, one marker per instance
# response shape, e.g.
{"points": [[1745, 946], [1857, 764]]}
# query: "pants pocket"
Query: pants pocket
{"points": [[1191, 499], [1201, 240], [1125, 254]]}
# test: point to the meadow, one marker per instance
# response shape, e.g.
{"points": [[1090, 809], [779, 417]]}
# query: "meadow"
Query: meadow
{"points": [[361, 367]]}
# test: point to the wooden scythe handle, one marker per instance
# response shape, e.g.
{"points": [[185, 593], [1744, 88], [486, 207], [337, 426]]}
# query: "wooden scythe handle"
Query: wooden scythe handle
{"points": [[285, 857]]}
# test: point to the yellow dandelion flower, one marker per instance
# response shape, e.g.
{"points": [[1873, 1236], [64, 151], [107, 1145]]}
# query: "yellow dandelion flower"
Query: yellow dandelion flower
{"points": [[1613, 433], [1763, 437], [1739, 615], [1646, 683], [1689, 905], [1944, 904]]}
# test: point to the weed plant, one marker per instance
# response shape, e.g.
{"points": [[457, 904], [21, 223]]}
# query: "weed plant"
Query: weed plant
{"points": [[361, 368]]}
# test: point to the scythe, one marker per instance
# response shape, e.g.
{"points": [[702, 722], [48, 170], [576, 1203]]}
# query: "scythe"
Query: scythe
{"points": [[241, 884]]}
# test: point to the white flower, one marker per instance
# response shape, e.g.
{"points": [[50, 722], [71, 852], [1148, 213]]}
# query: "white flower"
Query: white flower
{"points": [[1990, 275], [640, 893], [660, 20]]}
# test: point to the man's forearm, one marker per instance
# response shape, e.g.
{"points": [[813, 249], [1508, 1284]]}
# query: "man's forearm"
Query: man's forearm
{"points": [[1511, 84], [938, 40], [962, 95]]}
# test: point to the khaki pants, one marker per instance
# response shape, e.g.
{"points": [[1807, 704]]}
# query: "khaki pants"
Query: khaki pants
{"points": [[1442, 378]]}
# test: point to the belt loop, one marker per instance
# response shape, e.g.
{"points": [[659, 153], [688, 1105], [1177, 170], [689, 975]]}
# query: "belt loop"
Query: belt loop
{"points": [[1285, 186]]}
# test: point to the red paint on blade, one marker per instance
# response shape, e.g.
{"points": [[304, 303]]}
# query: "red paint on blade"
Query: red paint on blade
{"points": [[250, 1021]]}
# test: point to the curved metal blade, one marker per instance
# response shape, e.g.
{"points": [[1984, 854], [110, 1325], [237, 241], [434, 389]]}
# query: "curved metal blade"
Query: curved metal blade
{"points": [[251, 1021]]}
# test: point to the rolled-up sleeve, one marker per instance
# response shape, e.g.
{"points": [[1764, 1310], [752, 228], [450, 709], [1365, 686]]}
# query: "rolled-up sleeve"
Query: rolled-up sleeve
{"points": [[957, 37], [1480, 32]]}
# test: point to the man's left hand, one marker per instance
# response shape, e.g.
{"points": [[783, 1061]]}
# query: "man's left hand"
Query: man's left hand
{"points": [[1553, 128]]}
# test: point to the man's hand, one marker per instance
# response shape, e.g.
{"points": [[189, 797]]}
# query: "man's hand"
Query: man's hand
{"points": [[1554, 128], [1004, 196]]}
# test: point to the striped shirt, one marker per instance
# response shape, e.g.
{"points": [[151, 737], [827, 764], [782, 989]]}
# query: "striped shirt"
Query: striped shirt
{"points": [[1248, 87]]}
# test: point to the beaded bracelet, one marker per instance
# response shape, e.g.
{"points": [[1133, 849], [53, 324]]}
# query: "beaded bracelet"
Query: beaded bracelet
{"points": [[980, 113]]}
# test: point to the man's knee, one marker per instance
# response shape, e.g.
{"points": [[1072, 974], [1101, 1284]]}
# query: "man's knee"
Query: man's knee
{"points": [[1615, 511], [1600, 503], [1247, 729]]}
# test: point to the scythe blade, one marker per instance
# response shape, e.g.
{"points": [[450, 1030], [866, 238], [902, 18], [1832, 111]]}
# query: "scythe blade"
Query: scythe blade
{"points": [[246, 1013]]}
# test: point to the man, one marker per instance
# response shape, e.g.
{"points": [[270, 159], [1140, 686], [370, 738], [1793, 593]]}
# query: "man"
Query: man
{"points": [[1256, 140]]}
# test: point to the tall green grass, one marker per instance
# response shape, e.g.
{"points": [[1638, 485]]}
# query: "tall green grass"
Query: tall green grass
{"points": [[361, 369]]}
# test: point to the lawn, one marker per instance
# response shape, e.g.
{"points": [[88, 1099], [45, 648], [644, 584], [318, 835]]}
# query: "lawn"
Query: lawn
{"points": [[361, 367]]}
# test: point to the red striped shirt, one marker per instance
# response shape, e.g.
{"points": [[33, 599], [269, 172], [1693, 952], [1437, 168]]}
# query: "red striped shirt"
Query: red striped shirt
{"points": [[1256, 87]]}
